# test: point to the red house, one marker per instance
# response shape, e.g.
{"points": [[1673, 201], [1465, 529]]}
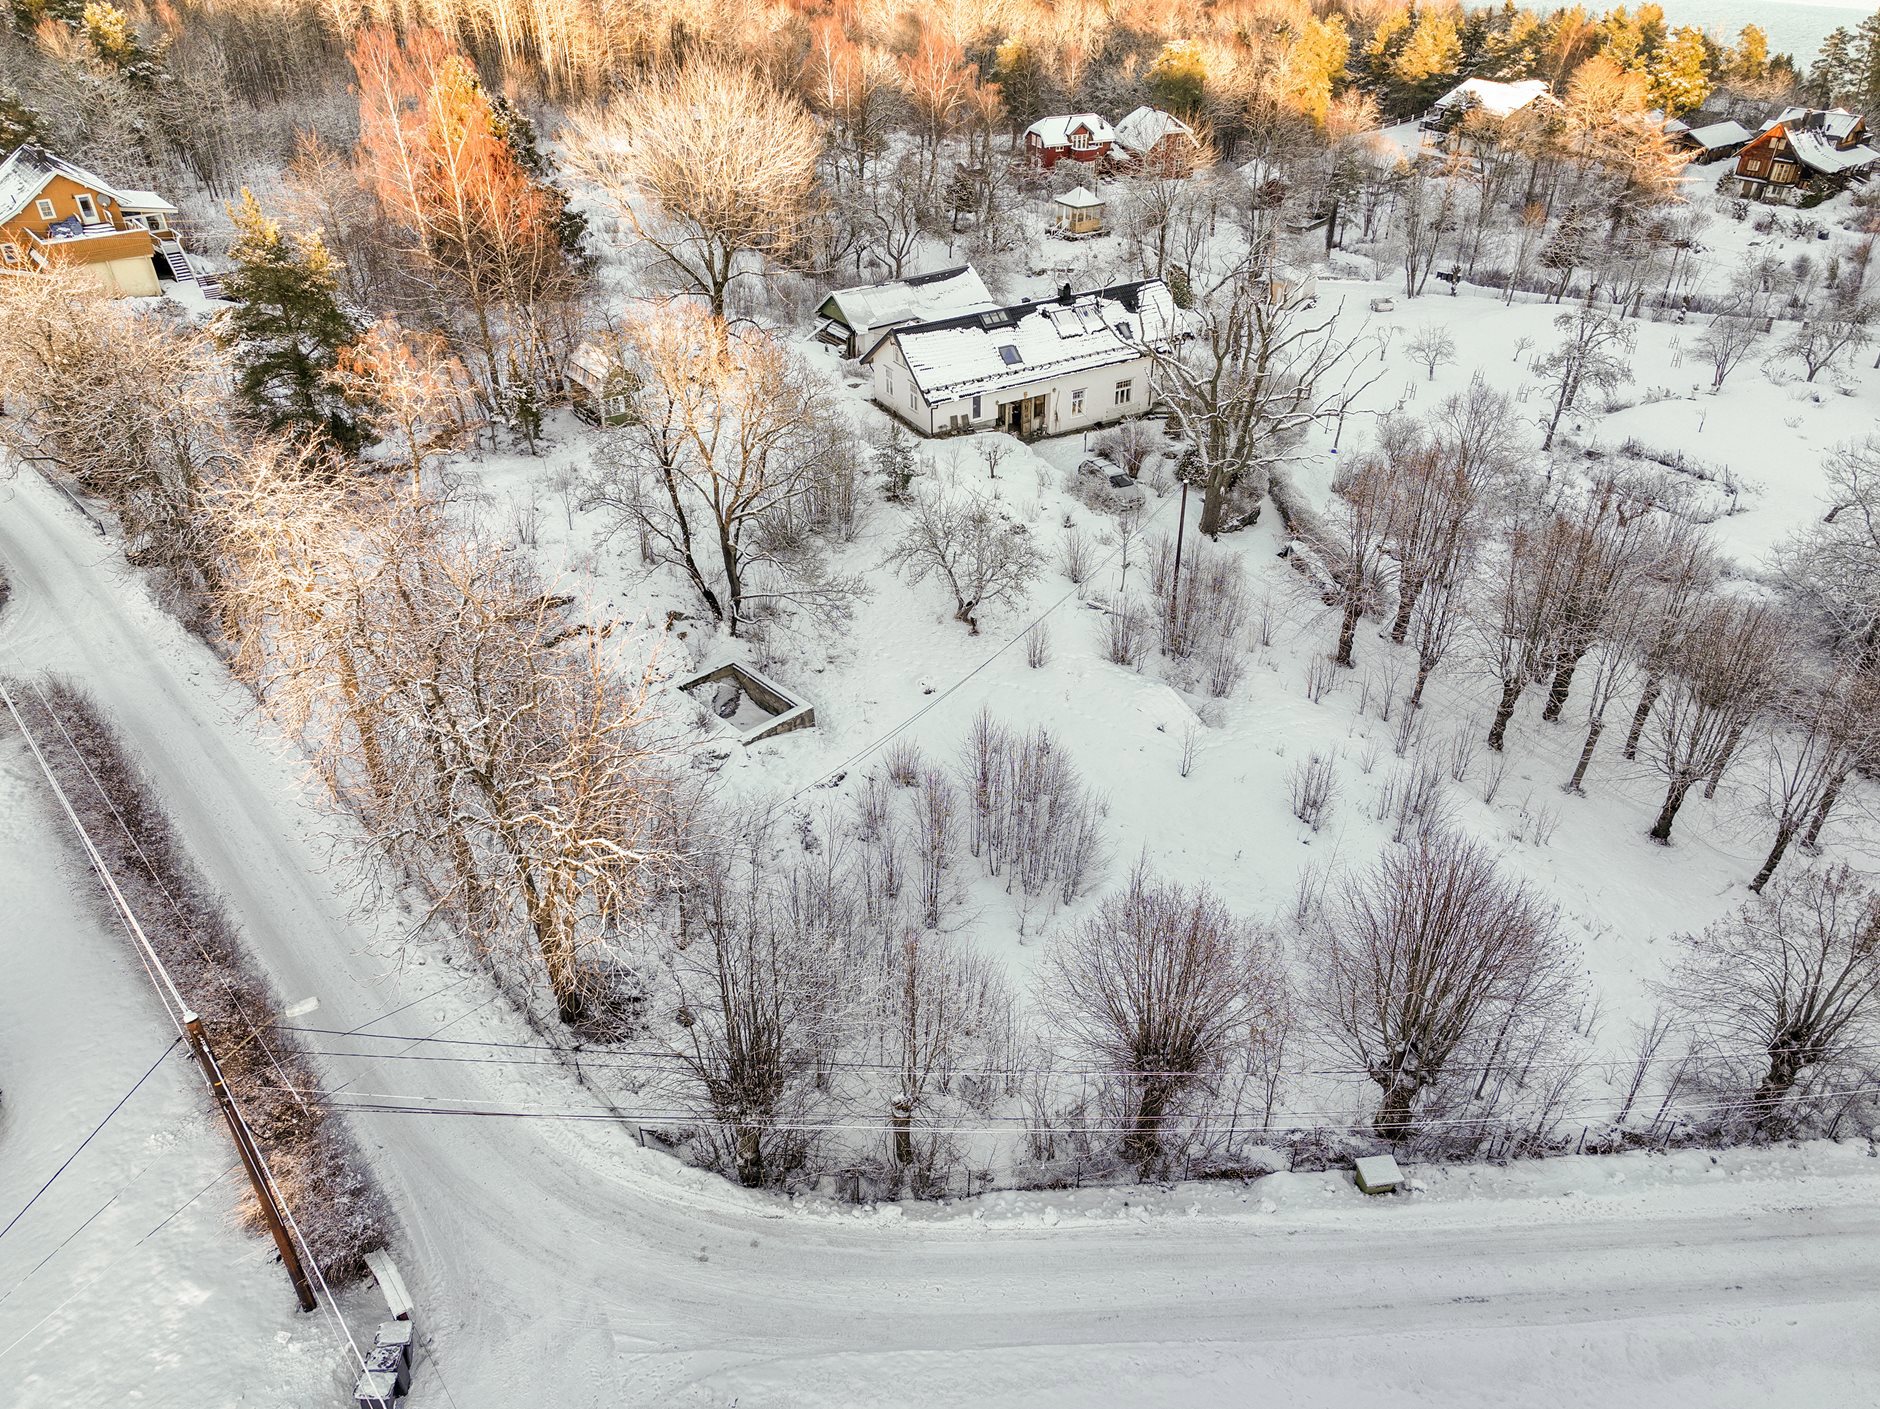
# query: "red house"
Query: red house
{"points": [[1079, 136]]}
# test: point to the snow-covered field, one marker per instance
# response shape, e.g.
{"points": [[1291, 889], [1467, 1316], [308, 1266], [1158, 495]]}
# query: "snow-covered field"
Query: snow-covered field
{"points": [[556, 1261], [1227, 820]]}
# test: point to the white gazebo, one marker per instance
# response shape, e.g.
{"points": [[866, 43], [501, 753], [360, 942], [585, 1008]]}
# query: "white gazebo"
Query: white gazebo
{"points": [[1078, 212]]}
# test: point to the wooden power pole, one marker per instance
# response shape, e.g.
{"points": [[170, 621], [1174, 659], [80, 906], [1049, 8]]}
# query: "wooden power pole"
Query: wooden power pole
{"points": [[1175, 578], [251, 1161]]}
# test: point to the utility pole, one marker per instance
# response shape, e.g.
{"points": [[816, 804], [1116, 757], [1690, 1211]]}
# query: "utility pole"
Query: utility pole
{"points": [[251, 1160], [1175, 577]]}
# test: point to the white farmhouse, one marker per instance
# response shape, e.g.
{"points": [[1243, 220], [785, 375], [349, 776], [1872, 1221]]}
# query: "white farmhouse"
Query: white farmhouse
{"points": [[1047, 367]]}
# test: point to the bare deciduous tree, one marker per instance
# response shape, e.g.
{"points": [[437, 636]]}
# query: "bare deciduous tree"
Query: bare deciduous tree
{"points": [[1821, 731], [1434, 346], [1794, 977], [709, 164], [986, 560], [1160, 986], [1360, 530], [946, 1004], [1431, 956], [1594, 353], [723, 459], [761, 998], [1259, 371], [1726, 669]]}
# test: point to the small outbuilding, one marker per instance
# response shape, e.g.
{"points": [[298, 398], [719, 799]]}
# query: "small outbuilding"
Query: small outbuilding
{"points": [[1378, 1174], [855, 319], [1710, 143], [1078, 212], [599, 384]]}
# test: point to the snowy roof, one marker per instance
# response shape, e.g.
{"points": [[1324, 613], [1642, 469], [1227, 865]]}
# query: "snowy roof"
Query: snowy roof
{"points": [[142, 201], [1492, 97], [24, 174], [1080, 199], [1026, 342], [1818, 153], [594, 364], [1719, 134], [1141, 129], [918, 298], [1056, 131], [1838, 123]]}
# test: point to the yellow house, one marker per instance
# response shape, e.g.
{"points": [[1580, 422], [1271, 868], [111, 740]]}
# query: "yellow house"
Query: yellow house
{"points": [[55, 213]]}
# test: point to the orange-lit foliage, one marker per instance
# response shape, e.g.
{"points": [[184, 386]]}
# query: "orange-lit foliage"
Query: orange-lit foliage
{"points": [[483, 231], [407, 384]]}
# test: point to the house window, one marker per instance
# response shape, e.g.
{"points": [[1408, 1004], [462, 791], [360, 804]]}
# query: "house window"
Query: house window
{"points": [[10, 252], [87, 209], [612, 406], [1077, 401], [1010, 355], [891, 391], [46, 212], [913, 396], [156, 221], [1080, 140], [1782, 171], [976, 410], [1124, 390]]}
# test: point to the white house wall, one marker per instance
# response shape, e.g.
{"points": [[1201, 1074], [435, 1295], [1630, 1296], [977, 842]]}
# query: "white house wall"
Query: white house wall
{"points": [[894, 391]]}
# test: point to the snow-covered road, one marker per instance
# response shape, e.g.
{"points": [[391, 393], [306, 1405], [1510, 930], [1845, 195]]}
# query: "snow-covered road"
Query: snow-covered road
{"points": [[555, 1262]]}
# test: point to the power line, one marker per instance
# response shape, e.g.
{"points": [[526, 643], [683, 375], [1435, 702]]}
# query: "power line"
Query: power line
{"points": [[604, 1059], [156, 876], [1004, 1124], [101, 1275], [67, 1163], [182, 1017]]}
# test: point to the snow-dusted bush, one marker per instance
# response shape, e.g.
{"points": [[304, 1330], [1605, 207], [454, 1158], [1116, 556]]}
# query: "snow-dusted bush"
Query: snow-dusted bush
{"points": [[1314, 781], [1030, 817]]}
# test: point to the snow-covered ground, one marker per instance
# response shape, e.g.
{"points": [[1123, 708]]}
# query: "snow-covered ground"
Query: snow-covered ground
{"points": [[1228, 821], [554, 1260], [127, 1281]]}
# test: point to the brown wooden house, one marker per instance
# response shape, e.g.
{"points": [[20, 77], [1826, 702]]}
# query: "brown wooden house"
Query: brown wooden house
{"points": [[54, 213], [1805, 149]]}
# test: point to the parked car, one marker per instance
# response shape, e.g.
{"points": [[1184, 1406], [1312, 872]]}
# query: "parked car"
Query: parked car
{"points": [[1103, 481]]}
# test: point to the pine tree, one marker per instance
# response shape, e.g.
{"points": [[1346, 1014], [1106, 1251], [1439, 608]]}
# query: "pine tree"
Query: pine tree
{"points": [[1832, 76], [1677, 76], [1427, 65], [1749, 57], [287, 327], [517, 131], [19, 124]]}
